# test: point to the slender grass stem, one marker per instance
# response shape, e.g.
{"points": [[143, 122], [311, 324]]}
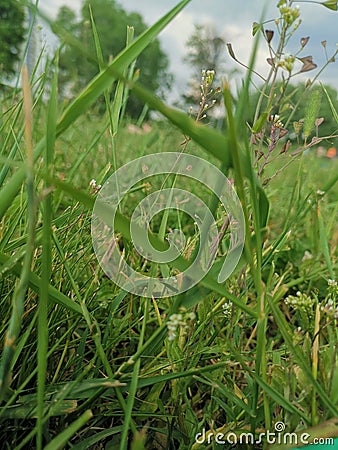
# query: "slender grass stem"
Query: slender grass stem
{"points": [[22, 285], [134, 380]]}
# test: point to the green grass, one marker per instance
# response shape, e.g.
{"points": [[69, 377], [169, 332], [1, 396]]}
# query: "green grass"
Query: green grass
{"points": [[88, 365]]}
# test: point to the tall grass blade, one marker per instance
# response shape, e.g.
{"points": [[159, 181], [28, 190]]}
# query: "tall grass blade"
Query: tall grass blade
{"points": [[312, 111], [324, 244], [332, 107], [296, 351], [46, 258], [22, 285], [34, 282], [61, 439]]}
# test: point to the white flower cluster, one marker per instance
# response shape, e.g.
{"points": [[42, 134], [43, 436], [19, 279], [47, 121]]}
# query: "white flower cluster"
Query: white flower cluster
{"points": [[227, 309], [276, 121], [300, 301], [207, 77], [305, 302], [289, 14], [177, 321], [95, 187], [330, 309]]}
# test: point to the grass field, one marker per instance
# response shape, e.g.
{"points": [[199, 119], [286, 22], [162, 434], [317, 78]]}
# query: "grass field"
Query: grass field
{"points": [[88, 365]]}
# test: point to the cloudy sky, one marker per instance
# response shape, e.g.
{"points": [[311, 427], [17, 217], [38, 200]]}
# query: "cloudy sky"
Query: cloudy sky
{"points": [[233, 21]]}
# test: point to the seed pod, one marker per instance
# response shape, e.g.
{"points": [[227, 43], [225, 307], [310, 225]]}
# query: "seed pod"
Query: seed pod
{"points": [[269, 35]]}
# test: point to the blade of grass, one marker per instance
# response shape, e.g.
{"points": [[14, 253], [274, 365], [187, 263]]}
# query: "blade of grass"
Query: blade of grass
{"points": [[46, 259], [298, 355], [29, 411], [14, 149], [61, 439], [22, 285], [114, 111], [260, 210], [212, 141], [324, 245], [18, 393], [90, 320], [275, 395], [34, 282], [97, 437], [134, 380], [333, 109], [315, 360]]}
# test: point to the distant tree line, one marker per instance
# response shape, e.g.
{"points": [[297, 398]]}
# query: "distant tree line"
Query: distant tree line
{"points": [[78, 64], [12, 35]]}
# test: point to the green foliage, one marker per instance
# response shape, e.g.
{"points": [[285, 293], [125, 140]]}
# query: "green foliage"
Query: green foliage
{"points": [[205, 51], [242, 355], [78, 63], [12, 33], [297, 100], [312, 110]]}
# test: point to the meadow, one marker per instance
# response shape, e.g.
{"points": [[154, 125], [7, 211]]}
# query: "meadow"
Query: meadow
{"points": [[88, 364]]}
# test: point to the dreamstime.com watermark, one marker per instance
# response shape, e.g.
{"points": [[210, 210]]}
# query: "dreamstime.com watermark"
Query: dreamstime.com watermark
{"points": [[106, 219], [278, 436]]}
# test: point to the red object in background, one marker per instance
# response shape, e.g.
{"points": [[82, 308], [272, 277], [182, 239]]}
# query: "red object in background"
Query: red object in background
{"points": [[331, 153]]}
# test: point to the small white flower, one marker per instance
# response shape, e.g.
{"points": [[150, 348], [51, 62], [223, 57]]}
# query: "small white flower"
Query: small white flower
{"points": [[171, 336], [307, 255], [175, 317], [178, 322], [227, 309]]}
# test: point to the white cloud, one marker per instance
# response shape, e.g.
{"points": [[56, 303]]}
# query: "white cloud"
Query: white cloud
{"points": [[51, 7]]}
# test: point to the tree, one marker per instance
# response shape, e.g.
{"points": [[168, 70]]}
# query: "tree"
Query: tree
{"points": [[78, 64], [68, 62], [12, 34], [205, 51]]}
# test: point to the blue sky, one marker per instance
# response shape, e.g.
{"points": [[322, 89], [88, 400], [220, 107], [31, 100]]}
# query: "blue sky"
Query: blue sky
{"points": [[233, 21]]}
